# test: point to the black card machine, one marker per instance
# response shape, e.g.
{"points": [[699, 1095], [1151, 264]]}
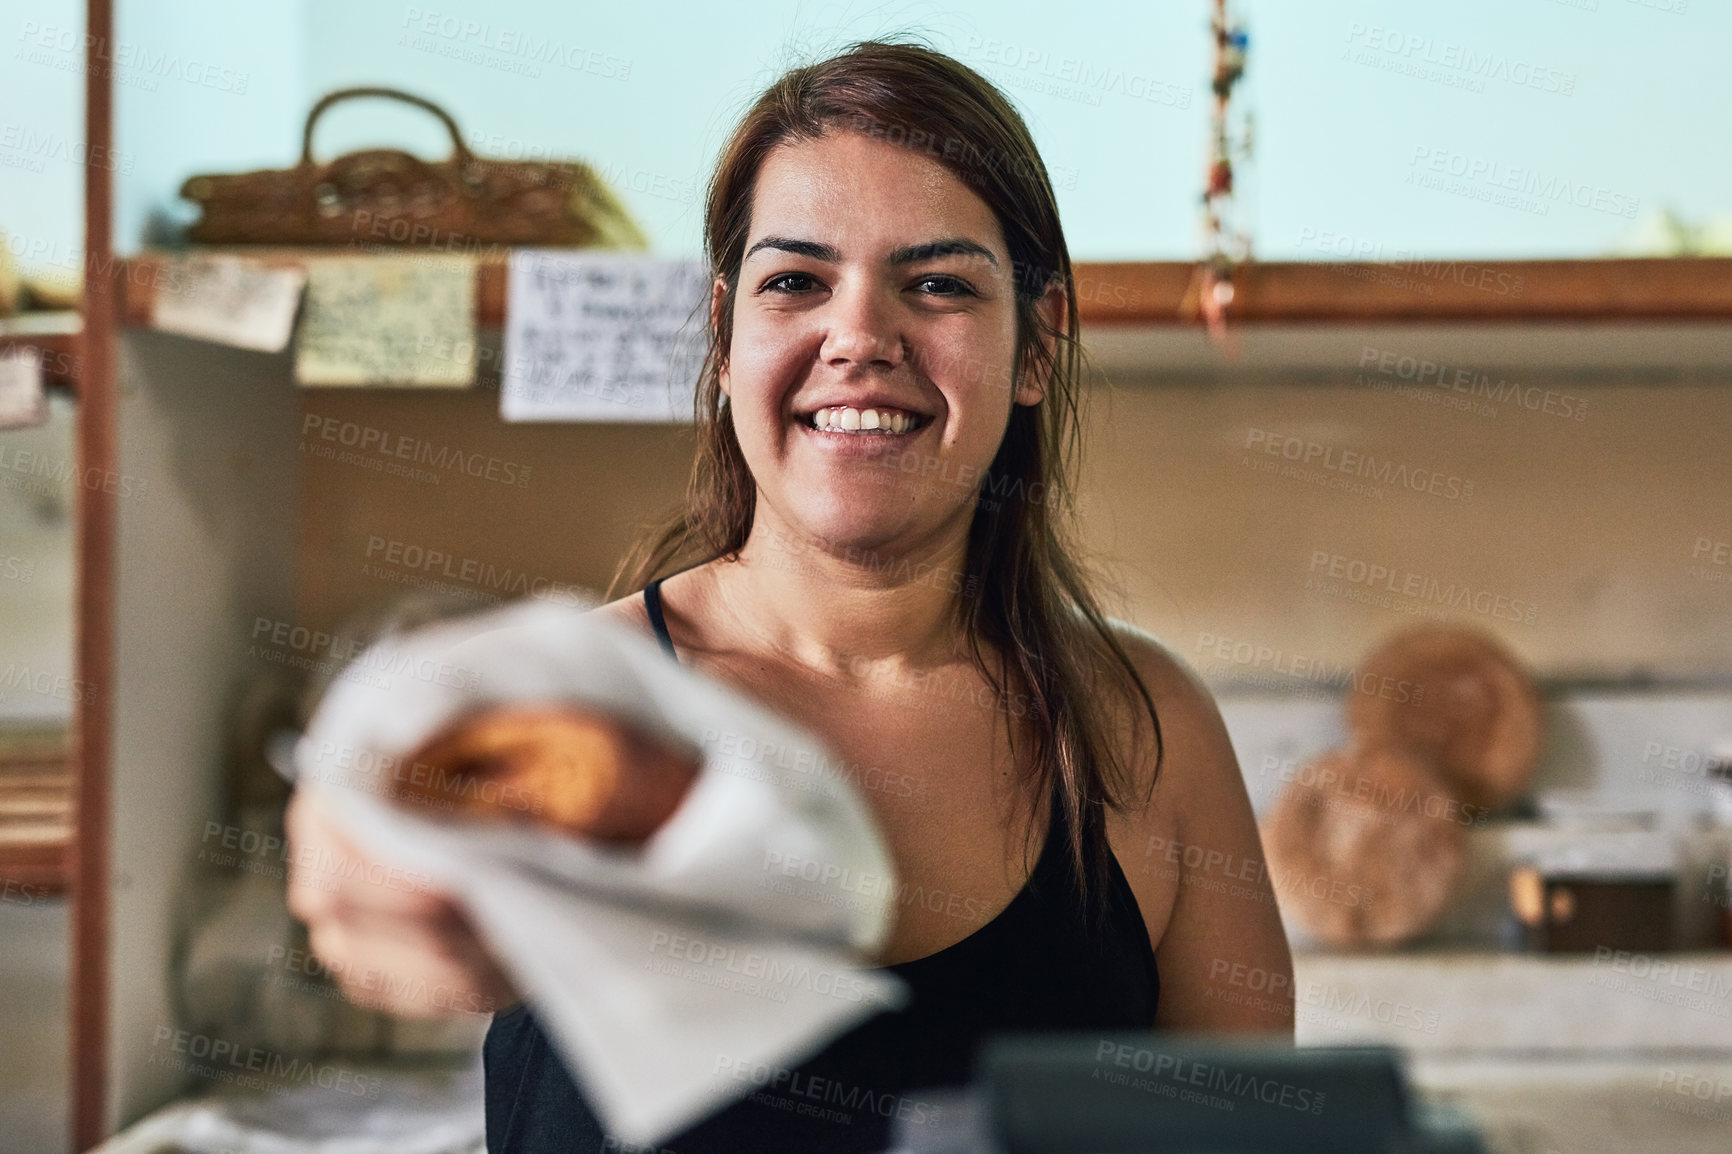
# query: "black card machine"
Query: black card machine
{"points": [[1148, 1093]]}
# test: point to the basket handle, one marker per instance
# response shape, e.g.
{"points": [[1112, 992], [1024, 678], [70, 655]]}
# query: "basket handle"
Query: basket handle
{"points": [[458, 150]]}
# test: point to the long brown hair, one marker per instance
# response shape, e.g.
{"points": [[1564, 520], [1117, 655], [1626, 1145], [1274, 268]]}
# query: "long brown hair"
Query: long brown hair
{"points": [[1026, 597]]}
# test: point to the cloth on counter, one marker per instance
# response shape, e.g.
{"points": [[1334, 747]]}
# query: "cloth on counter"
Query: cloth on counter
{"points": [[646, 965], [369, 1111]]}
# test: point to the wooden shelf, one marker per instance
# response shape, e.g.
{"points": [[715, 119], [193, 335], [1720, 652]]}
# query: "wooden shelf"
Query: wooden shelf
{"points": [[1152, 292], [35, 824], [142, 274], [1429, 290]]}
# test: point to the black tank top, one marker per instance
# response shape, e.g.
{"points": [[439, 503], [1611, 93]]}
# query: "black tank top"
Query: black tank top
{"points": [[1041, 964]]}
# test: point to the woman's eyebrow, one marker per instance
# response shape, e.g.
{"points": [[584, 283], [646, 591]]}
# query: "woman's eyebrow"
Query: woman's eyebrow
{"points": [[811, 248], [949, 246], [908, 254]]}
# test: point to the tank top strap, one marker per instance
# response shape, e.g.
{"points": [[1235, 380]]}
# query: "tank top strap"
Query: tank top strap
{"points": [[652, 603]]}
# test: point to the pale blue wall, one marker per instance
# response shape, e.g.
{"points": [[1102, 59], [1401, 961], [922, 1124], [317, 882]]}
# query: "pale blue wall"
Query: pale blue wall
{"points": [[220, 86], [1644, 121], [42, 133]]}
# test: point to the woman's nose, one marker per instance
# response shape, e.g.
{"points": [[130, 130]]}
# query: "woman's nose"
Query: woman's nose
{"points": [[862, 329]]}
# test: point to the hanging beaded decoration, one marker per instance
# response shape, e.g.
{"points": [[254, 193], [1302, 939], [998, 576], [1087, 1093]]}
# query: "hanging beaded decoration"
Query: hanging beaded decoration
{"points": [[1225, 244]]}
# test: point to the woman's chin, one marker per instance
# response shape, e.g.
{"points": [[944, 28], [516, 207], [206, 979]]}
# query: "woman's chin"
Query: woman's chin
{"points": [[853, 533]]}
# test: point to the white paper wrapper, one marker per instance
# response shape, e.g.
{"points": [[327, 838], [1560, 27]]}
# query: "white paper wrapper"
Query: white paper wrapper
{"points": [[735, 937]]}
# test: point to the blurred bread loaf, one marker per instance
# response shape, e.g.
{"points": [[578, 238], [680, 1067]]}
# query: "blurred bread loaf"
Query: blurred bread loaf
{"points": [[1472, 711], [582, 773], [1365, 847]]}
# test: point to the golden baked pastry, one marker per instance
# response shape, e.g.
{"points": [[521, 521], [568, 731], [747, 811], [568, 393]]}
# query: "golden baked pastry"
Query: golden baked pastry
{"points": [[1365, 847], [554, 765], [1477, 718]]}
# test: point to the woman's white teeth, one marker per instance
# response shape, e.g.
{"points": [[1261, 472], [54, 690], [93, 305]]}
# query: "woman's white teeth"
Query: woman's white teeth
{"points": [[839, 418]]}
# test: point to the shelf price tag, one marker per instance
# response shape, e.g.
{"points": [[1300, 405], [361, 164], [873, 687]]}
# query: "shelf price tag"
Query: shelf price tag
{"points": [[22, 400], [602, 336], [390, 320], [230, 300]]}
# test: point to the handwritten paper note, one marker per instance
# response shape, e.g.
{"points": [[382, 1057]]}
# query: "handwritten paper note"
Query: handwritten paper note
{"points": [[22, 401], [229, 300], [603, 336], [391, 320]]}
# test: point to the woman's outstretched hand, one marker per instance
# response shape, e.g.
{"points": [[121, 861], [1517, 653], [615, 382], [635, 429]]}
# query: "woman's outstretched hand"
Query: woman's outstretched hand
{"points": [[389, 939]]}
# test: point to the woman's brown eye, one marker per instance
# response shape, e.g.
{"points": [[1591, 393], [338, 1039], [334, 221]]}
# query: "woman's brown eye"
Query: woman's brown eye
{"points": [[790, 282], [943, 286]]}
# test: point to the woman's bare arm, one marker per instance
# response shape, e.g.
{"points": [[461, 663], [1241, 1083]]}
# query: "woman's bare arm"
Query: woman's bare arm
{"points": [[1195, 861]]}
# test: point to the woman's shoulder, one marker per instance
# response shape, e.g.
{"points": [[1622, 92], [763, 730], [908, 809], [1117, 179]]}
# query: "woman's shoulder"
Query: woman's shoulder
{"points": [[1196, 753], [1174, 686], [628, 610], [1162, 669]]}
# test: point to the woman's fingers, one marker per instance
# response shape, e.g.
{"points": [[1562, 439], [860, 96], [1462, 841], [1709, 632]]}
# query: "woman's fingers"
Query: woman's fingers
{"points": [[389, 939], [329, 872], [406, 967]]}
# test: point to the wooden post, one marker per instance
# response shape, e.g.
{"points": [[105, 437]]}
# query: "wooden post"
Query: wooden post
{"points": [[94, 599]]}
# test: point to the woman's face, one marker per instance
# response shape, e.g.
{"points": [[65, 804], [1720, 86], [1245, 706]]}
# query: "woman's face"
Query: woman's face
{"points": [[874, 332]]}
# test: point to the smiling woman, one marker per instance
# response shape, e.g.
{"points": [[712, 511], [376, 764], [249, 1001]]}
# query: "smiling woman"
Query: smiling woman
{"points": [[875, 541], [876, 544]]}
